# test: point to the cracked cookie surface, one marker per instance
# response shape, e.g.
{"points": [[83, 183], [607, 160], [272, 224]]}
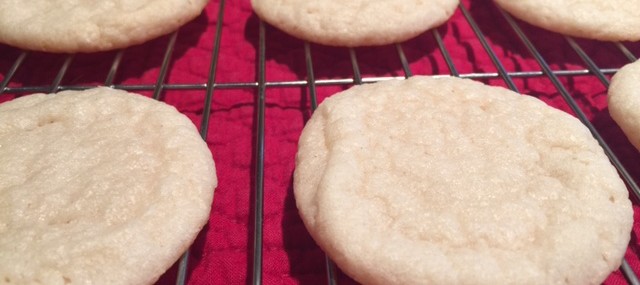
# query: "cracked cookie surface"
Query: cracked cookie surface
{"points": [[98, 186], [449, 181]]}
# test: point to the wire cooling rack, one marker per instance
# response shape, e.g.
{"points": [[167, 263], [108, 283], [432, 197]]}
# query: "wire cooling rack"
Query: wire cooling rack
{"points": [[496, 49]]}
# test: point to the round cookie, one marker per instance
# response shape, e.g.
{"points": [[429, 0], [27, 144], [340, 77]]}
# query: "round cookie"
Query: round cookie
{"points": [[606, 20], [357, 22], [449, 181], [624, 101], [98, 187], [91, 26]]}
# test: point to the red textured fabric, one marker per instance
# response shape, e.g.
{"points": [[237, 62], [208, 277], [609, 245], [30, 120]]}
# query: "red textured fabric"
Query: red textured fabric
{"points": [[223, 253]]}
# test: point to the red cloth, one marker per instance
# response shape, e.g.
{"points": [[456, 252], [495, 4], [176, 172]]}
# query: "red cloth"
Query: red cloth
{"points": [[222, 254]]}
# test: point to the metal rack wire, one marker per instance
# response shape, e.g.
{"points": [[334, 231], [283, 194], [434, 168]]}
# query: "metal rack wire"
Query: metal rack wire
{"points": [[261, 86]]}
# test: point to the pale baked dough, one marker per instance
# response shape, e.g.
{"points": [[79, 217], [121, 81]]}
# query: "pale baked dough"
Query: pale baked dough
{"points": [[91, 25], [449, 181], [98, 187], [606, 20], [355, 22], [624, 101]]}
